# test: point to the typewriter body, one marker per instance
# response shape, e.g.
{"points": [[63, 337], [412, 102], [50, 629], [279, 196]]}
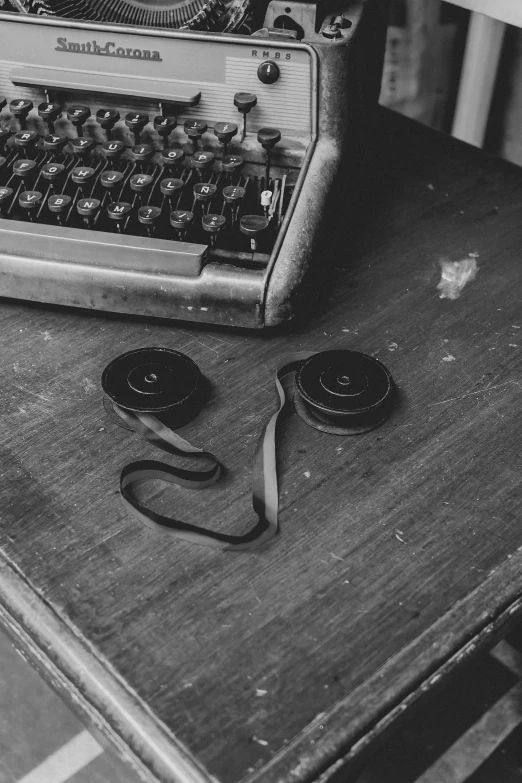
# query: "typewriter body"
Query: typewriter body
{"points": [[174, 173]]}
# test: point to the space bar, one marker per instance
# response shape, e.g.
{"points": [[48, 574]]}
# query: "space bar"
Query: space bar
{"points": [[101, 249], [113, 84]]}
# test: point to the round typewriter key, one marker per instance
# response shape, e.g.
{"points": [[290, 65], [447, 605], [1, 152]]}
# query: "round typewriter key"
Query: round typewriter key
{"points": [[110, 178], [268, 137], [213, 224], [195, 129], [181, 219], [169, 187], [78, 115], [251, 226], [140, 182], [245, 101], [136, 122], [171, 156], [231, 163], [107, 118], [58, 203], [21, 108], [225, 131], [82, 145], [148, 216], [113, 149], [344, 391], [30, 199], [82, 174], [204, 191], [5, 134], [52, 171], [26, 139], [23, 167], [164, 125], [233, 194], [119, 211], [202, 160], [54, 143], [87, 208], [5, 196], [49, 112], [143, 152], [154, 380]]}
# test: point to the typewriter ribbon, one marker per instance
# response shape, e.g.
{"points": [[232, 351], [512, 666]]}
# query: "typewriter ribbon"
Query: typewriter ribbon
{"points": [[153, 390]]}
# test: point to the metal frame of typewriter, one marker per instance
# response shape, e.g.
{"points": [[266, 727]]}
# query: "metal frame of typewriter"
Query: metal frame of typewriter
{"points": [[34, 258]]}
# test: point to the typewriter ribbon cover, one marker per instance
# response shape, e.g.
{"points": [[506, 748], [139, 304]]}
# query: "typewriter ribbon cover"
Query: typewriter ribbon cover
{"points": [[253, 202]]}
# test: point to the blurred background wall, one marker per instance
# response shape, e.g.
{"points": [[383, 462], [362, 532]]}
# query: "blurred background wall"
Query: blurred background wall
{"points": [[425, 49]]}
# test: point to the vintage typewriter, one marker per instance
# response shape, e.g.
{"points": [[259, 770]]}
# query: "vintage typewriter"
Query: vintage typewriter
{"points": [[180, 173]]}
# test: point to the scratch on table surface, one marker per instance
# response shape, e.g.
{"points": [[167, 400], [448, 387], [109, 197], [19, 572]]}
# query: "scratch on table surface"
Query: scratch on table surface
{"points": [[477, 391], [35, 394], [455, 275]]}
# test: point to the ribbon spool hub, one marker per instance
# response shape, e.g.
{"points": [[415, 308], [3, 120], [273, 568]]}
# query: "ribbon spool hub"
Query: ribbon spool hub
{"points": [[343, 392], [160, 381]]}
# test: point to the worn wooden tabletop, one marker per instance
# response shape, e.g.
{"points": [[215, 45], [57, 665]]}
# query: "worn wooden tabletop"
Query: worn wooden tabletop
{"points": [[399, 550]]}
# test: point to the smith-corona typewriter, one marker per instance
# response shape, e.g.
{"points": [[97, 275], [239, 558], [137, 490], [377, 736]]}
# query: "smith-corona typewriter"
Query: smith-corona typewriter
{"points": [[180, 173]]}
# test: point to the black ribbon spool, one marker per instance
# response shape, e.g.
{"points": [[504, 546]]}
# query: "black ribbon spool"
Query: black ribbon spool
{"points": [[160, 381], [343, 392]]}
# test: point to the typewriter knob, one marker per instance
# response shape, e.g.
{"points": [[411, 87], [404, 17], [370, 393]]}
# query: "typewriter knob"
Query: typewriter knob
{"points": [[87, 208], [140, 182], [25, 140], [164, 126], [82, 145], [169, 187], [54, 143], [204, 191], [232, 163], [202, 160], [21, 108], [52, 171], [119, 211], [268, 72], [5, 133], [49, 112], [172, 156], [181, 220], [113, 149], [78, 115], [82, 174], [213, 224], [251, 226], [149, 216], [107, 118], [23, 167], [233, 194], [136, 123], [58, 204], [110, 178], [30, 199]]}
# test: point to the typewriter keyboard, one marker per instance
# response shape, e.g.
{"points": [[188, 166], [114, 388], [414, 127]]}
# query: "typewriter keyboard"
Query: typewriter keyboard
{"points": [[158, 177]]}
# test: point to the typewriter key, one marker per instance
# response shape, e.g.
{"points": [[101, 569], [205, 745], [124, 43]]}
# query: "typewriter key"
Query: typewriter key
{"points": [[244, 102], [49, 112], [225, 131], [135, 123], [268, 138], [171, 156], [52, 171], [78, 115], [232, 163], [204, 191], [21, 108], [164, 126], [169, 187], [140, 182], [25, 140], [82, 174], [58, 205], [110, 178], [82, 145], [213, 224], [23, 167], [107, 119], [113, 149], [5, 134], [143, 152], [181, 220], [149, 216], [88, 208], [251, 226], [202, 161], [5, 197], [30, 199], [3, 161], [3, 102], [119, 212], [195, 130], [54, 143]]}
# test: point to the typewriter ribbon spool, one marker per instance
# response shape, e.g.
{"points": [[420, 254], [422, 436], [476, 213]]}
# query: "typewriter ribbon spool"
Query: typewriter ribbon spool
{"points": [[154, 389]]}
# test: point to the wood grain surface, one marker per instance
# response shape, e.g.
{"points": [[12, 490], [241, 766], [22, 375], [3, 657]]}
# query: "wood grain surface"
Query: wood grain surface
{"points": [[396, 546]]}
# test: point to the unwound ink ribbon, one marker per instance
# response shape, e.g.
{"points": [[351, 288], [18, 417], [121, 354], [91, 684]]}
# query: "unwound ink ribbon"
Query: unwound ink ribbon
{"points": [[265, 496]]}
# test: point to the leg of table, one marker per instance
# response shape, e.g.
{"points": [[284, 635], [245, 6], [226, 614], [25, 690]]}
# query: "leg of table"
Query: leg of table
{"points": [[479, 72]]}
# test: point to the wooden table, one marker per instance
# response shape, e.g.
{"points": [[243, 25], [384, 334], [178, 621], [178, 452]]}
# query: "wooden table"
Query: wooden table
{"points": [[400, 551]]}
